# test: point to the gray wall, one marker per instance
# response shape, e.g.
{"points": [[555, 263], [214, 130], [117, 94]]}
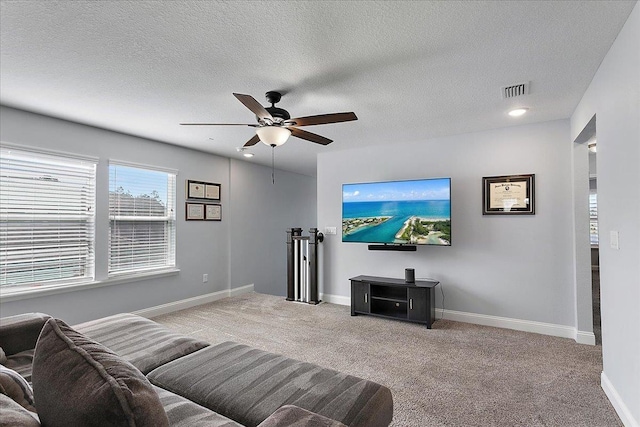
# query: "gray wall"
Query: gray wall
{"points": [[518, 267], [202, 247], [614, 98], [260, 214]]}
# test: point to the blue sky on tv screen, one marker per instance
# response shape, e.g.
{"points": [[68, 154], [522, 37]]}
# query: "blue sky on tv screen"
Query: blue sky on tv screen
{"points": [[425, 189]]}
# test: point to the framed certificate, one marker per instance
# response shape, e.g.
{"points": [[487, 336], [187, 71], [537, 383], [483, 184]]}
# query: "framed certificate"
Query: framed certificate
{"points": [[194, 211], [212, 191], [203, 190], [508, 195], [213, 213], [195, 189]]}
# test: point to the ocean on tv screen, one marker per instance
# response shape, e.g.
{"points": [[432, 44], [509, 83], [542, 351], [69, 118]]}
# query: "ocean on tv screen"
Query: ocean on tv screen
{"points": [[397, 212]]}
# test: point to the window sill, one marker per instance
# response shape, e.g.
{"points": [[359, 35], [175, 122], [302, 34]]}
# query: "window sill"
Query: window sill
{"points": [[26, 293]]}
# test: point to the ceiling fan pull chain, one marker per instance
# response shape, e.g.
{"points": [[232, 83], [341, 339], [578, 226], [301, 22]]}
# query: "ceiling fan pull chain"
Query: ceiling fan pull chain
{"points": [[273, 176]]}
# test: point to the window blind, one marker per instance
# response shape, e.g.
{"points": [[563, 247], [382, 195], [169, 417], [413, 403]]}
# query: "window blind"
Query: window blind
{"points": [[141, 219], [593, 218], [47, 221]]}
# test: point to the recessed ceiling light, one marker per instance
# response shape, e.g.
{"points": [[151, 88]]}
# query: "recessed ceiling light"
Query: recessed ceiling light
{"points": [[518, 112], [247, 154]]}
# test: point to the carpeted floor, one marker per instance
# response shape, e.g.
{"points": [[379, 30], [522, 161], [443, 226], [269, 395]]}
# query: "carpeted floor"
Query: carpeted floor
{"points": [[455, 374]]}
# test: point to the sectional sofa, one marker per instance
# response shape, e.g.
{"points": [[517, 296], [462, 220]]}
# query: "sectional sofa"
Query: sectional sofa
{"points": [[128, 370]]}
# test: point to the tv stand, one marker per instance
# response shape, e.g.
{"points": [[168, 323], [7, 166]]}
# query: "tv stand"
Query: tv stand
{"points": [[394, 298]]}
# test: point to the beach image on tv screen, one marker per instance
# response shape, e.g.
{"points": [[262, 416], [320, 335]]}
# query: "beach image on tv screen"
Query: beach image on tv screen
{"points": [[398, 212]]}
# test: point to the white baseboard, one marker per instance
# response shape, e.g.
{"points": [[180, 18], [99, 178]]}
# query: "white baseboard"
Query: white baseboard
{"points": [[335, 299], [192, 302], [580, 337], [240, 290], [618, 404]]}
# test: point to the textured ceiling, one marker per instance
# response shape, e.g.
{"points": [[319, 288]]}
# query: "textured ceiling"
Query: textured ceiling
{"points": [[409, 70]]}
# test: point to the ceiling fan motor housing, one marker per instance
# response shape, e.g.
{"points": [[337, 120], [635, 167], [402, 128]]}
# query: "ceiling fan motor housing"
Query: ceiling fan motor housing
{"points": [[278, 113], [273, 97]]}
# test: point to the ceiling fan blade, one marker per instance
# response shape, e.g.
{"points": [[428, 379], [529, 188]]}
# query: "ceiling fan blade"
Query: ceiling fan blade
{"points": [[218, 124], [303, 134], [253, 105], [253, 141], [324, 119]]}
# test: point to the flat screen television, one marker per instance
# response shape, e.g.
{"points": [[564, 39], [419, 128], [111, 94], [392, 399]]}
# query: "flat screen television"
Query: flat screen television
{"points": [[415, 212]]}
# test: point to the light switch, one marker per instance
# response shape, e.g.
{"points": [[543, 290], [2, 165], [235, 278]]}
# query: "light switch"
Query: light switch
{"points": [[614, 239], [330, 230]]}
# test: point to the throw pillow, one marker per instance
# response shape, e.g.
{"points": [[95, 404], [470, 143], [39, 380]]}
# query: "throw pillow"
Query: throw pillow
{"points": [[17, 388], [77, 381], [13, 415]]}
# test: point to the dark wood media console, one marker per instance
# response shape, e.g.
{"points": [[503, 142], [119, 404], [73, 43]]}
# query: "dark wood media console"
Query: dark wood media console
{"points": [[394, 298]]}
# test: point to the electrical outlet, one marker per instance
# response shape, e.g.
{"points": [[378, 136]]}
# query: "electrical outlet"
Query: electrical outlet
{"points": [[205, 278]]}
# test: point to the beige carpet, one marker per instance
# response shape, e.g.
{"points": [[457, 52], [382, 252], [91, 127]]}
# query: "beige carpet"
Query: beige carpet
{"points": [[455, 374]]}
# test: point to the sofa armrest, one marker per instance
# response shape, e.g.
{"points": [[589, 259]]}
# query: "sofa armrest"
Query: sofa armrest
{"points": [[19, 333], [294, 416]]}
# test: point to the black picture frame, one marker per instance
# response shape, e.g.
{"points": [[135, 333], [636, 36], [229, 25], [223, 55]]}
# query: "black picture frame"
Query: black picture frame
{"points": [[509, 195], [194, 211], [202, 190], [213, 212]]}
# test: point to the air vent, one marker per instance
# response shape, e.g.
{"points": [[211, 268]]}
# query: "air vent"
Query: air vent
{"points": [[515, 90]]}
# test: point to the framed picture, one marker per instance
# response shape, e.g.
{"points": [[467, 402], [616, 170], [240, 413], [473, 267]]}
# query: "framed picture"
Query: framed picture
{"points": [[195, 189], [508, 195], [212, 191], [194, 211], [203, 190], [213, 213]]}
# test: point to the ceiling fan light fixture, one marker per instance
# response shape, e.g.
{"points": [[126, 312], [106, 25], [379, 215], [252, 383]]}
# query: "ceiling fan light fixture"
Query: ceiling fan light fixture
{"points": [[273, 136]]}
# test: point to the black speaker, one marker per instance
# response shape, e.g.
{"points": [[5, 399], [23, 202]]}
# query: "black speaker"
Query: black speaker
{"points": [[409, 275], [385, 247]]}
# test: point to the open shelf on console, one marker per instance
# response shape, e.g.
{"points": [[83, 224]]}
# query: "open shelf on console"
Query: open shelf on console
{"points": [[384, 307], [391, 293]]}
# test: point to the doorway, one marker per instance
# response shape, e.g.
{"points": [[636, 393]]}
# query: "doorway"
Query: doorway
{"points": [[593, 238]]}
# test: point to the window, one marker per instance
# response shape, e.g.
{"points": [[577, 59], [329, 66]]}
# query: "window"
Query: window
{"points": [[47, 220], [142, 219], [593, 219]]}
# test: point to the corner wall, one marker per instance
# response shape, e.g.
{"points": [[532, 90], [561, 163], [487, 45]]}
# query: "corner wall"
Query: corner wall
{"points": [[260, 214], [499, 268], [614, 98]]}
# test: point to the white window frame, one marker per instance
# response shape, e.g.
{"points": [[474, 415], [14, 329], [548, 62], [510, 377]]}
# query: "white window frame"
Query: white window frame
{"points": [[170, 218], [84, 210]]}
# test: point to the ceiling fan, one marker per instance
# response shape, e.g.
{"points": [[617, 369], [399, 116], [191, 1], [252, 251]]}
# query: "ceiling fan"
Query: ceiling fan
{"points": [[275, 124]]}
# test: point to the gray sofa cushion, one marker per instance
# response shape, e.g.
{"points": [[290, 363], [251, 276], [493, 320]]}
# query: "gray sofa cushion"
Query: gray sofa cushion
{"points": [[78, 382], [293, 416], [14, 415], [184, 413], [16, 387], [21, 363], [247, 385], [143, 342], [20, 332]]}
